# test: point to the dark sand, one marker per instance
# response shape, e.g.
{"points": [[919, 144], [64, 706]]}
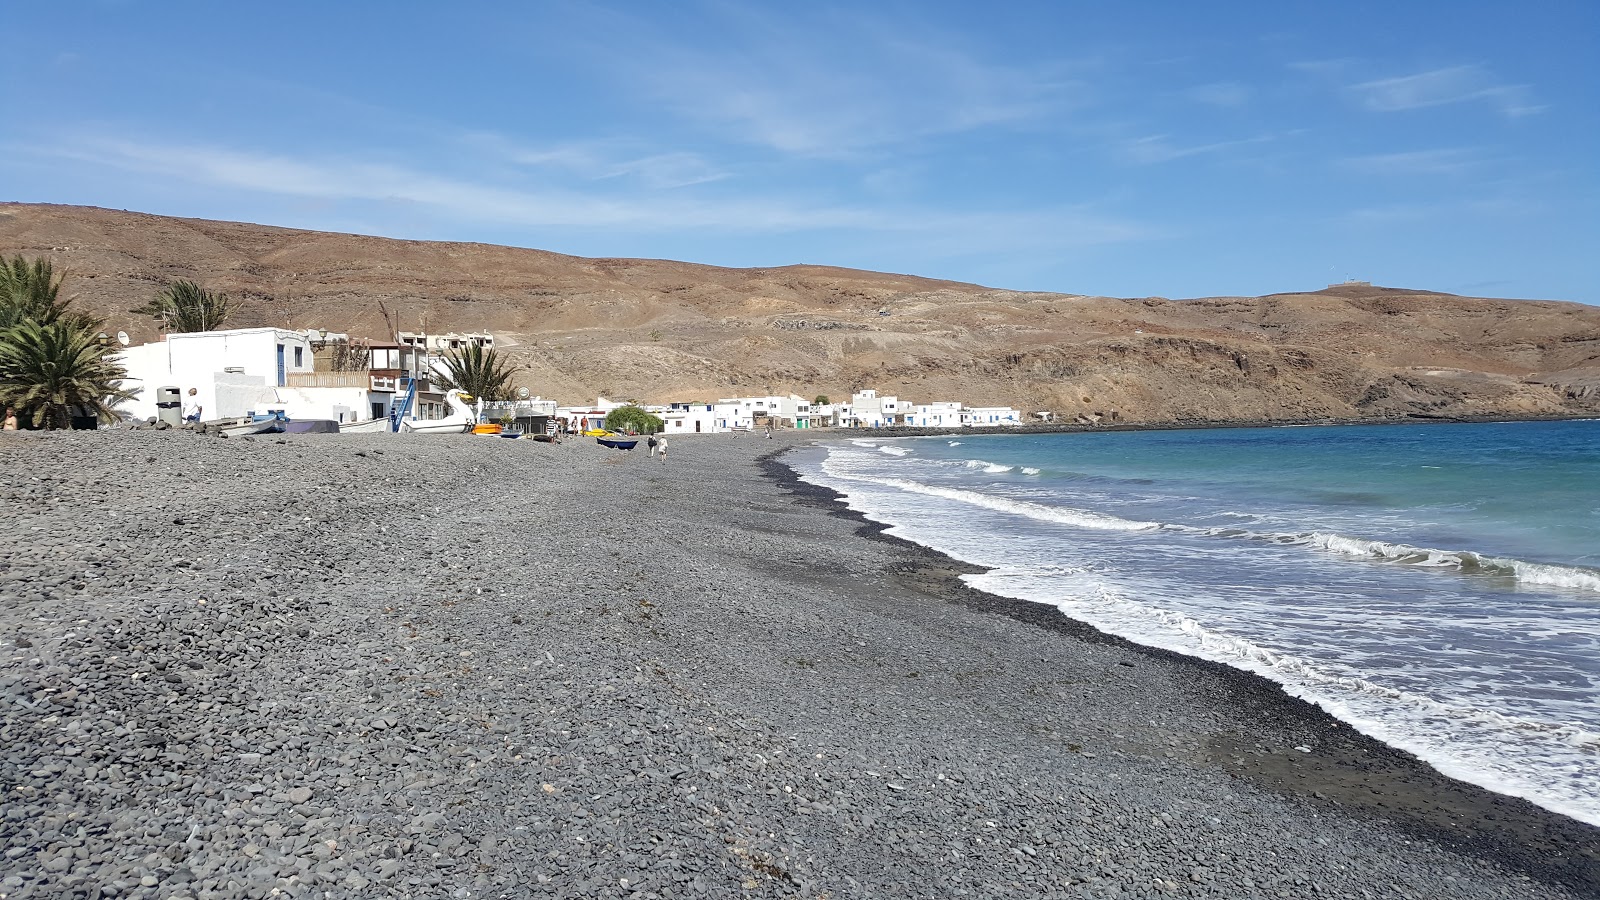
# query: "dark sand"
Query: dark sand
{"points": [[471, 667], [1350, 773]]}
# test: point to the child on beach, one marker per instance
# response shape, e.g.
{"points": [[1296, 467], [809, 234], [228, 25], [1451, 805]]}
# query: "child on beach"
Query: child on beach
{"points": [[11, 420], [661, 448], [192, 414]]}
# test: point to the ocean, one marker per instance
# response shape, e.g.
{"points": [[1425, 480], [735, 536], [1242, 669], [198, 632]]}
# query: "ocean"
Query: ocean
{"points": [[1437, 586]]}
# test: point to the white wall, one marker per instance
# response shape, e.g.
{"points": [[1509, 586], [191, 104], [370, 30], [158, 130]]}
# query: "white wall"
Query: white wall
{"points": [[198, 360]]}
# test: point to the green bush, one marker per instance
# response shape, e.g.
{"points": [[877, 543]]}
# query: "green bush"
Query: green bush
{"points": [[633, 419]]}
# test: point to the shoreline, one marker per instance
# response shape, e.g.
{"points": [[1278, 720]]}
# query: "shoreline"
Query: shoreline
{"points": [[1351, 772], [896, 431]]}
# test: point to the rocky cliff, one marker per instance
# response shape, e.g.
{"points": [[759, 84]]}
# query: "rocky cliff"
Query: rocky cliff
{"points": [[658, 330]]}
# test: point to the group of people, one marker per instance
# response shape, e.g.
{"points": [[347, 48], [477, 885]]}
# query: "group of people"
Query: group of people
{"points": [[657, 446]]}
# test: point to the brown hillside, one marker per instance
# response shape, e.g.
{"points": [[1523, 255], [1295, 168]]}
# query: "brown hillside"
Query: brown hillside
{"points": [[657, 330]]}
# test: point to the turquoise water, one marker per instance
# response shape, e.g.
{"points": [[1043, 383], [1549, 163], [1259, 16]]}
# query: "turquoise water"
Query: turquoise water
{"points": [[1437, 586]]}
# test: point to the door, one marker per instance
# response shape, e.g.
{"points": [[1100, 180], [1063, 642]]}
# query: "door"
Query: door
{"points": [[281, 380]]}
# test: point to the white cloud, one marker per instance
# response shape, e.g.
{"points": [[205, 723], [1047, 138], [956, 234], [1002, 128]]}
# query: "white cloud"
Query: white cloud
{"points": [[833, 87], [602, 160], [1224, 94], [1440, 87], [1159, 148], [1448, 161], [333, 181]]}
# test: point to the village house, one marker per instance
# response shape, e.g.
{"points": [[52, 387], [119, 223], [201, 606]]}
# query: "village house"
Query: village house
{"points": [[304, 375], [868, 410]]}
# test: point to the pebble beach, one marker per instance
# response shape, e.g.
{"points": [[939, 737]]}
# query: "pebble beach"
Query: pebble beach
{"points": [[454, 666]]}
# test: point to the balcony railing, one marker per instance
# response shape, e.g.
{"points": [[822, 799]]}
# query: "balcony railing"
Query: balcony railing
{"points": [[328, 379]]}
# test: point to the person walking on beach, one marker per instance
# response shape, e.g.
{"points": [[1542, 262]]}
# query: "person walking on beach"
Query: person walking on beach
{"points": [[661, 448], [191, 414], [650, 444]]}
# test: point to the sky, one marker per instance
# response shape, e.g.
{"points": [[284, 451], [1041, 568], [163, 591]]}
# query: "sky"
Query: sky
{"points": [[1175, 149]]}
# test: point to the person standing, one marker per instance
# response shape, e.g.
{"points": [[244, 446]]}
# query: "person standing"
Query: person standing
{"points": [[10, 421], [661, 448], [191, 413]]}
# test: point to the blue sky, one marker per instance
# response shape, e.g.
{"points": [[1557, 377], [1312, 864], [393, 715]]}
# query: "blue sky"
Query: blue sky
{"points": [[1130, 149]]}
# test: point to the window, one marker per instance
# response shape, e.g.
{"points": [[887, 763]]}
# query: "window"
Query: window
{"points": [[299, 357]]}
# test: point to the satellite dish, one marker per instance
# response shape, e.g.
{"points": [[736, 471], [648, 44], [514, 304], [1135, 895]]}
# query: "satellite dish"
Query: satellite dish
{"points": [[522, 393], [122, 338]]}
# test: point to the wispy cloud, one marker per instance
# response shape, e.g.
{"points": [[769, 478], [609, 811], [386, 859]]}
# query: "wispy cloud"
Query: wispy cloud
{"points": [[1223, 94], [1440, 87], [831, 85], [1448, 161], [334, 180], [605, 159], [1159, 148]]}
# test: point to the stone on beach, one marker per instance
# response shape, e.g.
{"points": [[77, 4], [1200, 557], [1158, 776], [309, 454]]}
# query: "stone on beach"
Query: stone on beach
{"points": [[485, 668]]}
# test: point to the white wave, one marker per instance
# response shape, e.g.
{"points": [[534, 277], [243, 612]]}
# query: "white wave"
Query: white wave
{"points": [[859, 442], [1029, 470], [1495, 750], [1464, 560], [989, 467], [1079, 518], [955, 443], [893, 450]]}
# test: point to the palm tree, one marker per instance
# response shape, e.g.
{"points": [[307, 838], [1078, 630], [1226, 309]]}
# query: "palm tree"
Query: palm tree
{"points": [[478, 372], [187, 307], [48, 370], [29, 291]]}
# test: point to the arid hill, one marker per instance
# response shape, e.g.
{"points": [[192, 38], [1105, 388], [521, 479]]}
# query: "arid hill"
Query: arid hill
{"points": [[657, 330]]}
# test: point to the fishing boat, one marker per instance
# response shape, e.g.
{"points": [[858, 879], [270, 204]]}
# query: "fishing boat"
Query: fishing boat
{"points": [[274, 422], [366, 426], [618, 441]]}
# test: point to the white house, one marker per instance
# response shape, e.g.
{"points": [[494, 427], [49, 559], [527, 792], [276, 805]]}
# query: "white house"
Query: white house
{"points": [[206, 360], [867, 410], [444, 343], [990, 416], [943, 414], [690, 418], [583, 418]]}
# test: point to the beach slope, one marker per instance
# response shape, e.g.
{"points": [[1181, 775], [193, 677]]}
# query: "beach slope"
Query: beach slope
{"points": [[373, 665]]}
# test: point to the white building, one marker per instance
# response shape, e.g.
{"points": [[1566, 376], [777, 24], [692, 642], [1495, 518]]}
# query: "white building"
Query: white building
{"points": [[690, 418], [248, 371], [944, 414], [738, 414], [219, 365], [991, 416], [444, 343], [583, 418], [867, 410]]}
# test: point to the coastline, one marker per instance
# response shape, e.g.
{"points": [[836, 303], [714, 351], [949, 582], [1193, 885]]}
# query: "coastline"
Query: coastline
{"points": [[1351, 772], [896, 431], [430, 666]]}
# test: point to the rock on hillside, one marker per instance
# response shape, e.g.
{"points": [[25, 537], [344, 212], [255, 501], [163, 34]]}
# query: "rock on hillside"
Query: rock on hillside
{"points": [[658, 330]]}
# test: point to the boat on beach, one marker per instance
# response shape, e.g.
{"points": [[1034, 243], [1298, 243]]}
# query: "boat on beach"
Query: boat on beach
{"points": [[618, 441], [274, 422]]}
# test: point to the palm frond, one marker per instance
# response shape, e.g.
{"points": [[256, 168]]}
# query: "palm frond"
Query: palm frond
{"points": [[29, 290], [49, 369]]}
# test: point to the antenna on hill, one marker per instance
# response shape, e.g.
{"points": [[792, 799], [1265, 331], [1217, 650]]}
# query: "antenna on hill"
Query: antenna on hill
{"points": [[122, 338]]}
